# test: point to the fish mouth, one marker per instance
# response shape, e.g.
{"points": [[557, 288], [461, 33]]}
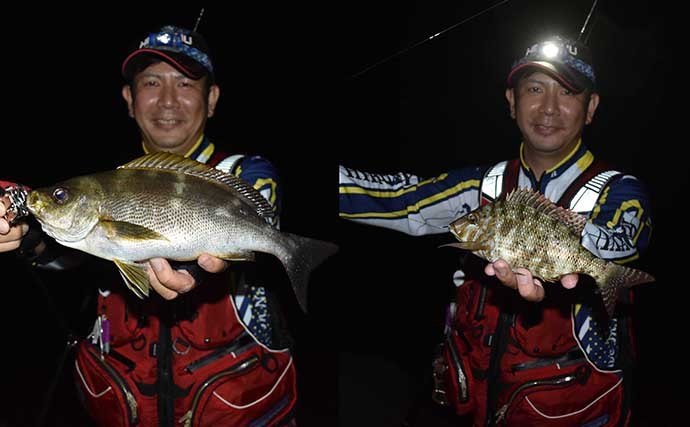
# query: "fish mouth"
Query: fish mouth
{"points": [[34, 204], [474, 245]]}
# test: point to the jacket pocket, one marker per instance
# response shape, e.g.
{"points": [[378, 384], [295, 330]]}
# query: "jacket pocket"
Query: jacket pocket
{"points": [[544, 332], [454, 382], [582, 397], [258, 390], [107, 396]]}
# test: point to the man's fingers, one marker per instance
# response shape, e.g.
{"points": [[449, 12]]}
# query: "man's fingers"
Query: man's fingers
{"points": [[521, 279], [167, 282], [569, 281], [9, 246], [12, 238], [503, 272], [529, 287], [211, 263], [4, 204], [166, 293]]}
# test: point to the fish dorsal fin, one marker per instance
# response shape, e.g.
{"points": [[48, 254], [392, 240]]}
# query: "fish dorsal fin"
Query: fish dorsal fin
{"points": [[177, 163], [574, 221]]}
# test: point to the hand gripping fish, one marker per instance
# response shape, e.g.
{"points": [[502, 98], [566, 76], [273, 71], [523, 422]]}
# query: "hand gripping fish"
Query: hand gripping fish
{"points": [[528, 230], [164, 205]]}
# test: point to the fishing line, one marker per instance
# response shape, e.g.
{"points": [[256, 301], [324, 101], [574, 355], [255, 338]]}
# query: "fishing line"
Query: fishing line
{"points": [[402, 51]]}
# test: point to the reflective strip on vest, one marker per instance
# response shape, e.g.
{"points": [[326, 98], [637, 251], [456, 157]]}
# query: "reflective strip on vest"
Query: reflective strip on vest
{"points": [[492, 184], [586, 197], [583, 202], [228, 164]]}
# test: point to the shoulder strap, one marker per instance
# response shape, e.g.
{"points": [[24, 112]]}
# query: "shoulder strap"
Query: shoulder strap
{"points": [[582, 194], [498, 179], [224, 162]]}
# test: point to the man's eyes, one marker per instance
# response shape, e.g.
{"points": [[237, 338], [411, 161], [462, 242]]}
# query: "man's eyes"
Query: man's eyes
{"points": [[538, 89], [156, 83]]}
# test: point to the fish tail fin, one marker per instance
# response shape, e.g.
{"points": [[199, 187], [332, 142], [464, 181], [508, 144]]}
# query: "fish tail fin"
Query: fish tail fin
{"points": [[618, 277], [305, 256]]}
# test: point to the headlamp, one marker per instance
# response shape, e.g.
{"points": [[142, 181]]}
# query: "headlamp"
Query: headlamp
{"points": [[559, 52]]}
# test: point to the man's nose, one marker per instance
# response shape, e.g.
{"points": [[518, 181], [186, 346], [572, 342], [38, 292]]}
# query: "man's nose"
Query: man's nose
{"points": [[168, 97], [549, 102]]}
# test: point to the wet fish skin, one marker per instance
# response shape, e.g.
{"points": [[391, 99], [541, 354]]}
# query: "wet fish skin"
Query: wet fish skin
{"points": [[163, 205], [527, 230]]}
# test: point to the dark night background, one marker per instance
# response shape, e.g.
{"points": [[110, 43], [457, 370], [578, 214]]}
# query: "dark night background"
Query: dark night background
{"points": [[288, 92]]}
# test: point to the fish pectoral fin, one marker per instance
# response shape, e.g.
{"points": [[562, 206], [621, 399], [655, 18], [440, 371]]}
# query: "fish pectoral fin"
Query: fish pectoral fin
{"points": [[135, 276], [128, 231], [470, 246], [238, 256]]}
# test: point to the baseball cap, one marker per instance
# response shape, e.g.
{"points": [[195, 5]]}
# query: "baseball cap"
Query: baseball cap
{"points": [[184, 49], [568, 61]]}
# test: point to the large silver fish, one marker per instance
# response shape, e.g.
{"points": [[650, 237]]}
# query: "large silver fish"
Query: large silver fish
{"points": [[164, 205], [528, 230]]}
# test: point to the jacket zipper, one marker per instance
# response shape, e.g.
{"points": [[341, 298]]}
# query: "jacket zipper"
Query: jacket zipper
{"points": [[241, 367], [462, 378], [238, 346], [498, 345], [479, 313], [132, 415], [164, 376], [570, 358], [557, 381]]}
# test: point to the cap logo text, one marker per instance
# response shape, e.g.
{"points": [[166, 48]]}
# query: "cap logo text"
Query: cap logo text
{"points": [[166, 39]]}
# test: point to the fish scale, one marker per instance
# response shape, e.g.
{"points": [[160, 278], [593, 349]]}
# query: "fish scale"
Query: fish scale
{"points": [[527, 230]]}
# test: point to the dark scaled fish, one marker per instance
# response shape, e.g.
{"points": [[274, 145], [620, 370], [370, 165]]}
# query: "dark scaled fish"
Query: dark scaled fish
{"points": [[164, 205], [528, 230]]}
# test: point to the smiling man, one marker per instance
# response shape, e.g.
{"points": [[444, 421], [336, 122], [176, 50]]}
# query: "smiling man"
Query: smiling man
{"points": [[171, 91], [517, 354], [205, 349]]}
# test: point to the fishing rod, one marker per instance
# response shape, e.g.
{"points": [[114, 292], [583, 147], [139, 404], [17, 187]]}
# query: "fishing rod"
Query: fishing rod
{"points": [[198, 19], [584, 26], [419, 43], [464, 21]]}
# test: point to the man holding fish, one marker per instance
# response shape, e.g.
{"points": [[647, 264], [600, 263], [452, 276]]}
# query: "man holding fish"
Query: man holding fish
{"points": [[192, 353], [526, 353]]}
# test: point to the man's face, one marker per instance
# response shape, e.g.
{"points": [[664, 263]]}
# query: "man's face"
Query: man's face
{"points": [[170, 108], [550, 117]]}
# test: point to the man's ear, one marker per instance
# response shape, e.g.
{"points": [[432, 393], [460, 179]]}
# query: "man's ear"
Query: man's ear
{"points": [[510, 96], [213, 95], [592, 107], [129, 99]]}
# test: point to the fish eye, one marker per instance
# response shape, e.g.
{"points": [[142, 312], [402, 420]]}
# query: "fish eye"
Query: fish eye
{"points": [[472, 218], [60, 195]]}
